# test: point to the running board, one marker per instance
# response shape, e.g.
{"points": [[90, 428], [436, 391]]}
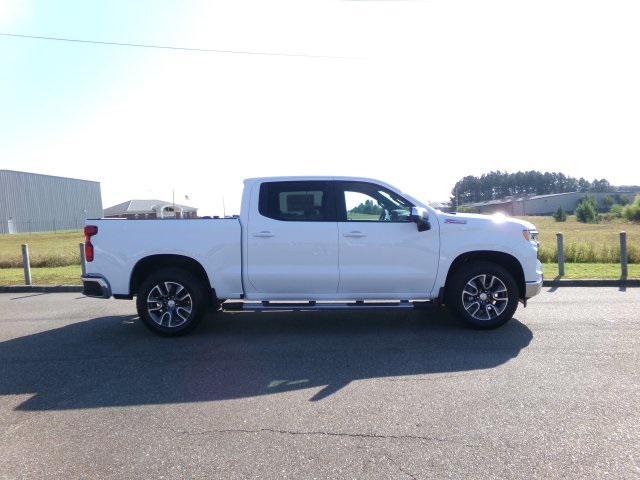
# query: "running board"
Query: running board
{"points": [[311, 306]]}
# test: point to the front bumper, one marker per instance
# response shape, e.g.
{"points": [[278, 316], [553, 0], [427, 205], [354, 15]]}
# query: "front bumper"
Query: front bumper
{"points": [[532, 289], [95, 286]]}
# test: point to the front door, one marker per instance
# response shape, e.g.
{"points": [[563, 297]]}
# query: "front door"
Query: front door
{"points": [[292, 240], [382, 253]]}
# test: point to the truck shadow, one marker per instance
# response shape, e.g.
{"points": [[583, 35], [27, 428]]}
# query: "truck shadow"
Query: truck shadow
{"points": [[115, 361]]}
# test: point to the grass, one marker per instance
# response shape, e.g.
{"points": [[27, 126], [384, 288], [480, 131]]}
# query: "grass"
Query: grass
{"points": [[590, 270], [46, 249], [69, 275], [586, 242], [363, 216]]}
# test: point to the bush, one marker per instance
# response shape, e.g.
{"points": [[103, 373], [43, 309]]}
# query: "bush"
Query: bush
{"points": [[632, 211], [465, 209], [560, 215], [616, 210], [608, 201], [623, 200], [587, 210]]}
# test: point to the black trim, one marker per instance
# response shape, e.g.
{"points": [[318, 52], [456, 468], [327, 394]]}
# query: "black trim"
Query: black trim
{"points": [[95, 286], [120, 296], [91, 289], [440, 300]]}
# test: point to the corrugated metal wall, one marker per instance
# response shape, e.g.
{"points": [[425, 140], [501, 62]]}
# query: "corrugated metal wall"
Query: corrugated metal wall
{"points": [[547, 205], [31, 202], [568, 202]]}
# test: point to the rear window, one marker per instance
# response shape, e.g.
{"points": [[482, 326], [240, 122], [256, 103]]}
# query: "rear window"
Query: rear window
{"points": [[310, 201]]}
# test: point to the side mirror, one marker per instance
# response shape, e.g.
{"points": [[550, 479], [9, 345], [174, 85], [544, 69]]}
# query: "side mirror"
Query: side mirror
{"points": [[420, 217]]}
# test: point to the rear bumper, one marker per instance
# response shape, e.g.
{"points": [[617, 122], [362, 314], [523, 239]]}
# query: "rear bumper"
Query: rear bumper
{"points": [[95, 286], [533, 288]]}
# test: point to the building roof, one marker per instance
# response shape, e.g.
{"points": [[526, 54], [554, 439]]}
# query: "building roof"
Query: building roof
{"points": [[492, 202], [143, 206], [4, 170], [505, 200], [440, 205]]}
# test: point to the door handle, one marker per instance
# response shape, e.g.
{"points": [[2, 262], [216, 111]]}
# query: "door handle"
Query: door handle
{"points": [[263, 234], [354, 234]]}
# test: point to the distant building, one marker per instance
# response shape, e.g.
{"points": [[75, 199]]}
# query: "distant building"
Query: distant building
{"points": [[443, 206], [31, 202], [542, 204], [149, 209]]}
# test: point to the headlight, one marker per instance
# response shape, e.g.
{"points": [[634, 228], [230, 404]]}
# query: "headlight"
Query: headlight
{"points": [[531, 236]]}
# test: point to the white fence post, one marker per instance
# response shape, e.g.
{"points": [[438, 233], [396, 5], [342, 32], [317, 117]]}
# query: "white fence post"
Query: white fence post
{"points": [[82, 260], [624, 258], [560, 239], [26, 264]]}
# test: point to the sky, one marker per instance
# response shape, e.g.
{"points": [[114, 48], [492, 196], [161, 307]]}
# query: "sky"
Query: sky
{"points": [[417, 93]]}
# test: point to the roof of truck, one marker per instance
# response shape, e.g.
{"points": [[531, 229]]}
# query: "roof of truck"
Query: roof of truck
{"points": [[316, 177], [333, 177]]}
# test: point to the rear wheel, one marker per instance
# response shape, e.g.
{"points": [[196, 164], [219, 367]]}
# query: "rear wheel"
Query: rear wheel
{"points": [[483, 294], [171, 301]]}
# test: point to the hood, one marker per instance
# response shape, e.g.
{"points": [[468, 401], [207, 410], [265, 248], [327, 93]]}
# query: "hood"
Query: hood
{"points": [[485, 220]]}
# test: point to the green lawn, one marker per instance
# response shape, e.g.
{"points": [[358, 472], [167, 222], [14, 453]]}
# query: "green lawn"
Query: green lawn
{"points": [[69, 275], [590, 270], [46, 249], [363, 216], [586, 242]]}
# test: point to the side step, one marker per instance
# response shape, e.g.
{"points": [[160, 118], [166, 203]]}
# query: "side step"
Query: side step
{"points": [[248, 306]]}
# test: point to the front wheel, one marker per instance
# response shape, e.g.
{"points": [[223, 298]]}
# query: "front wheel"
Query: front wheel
{"points": [[171, 301], [483, 294]]}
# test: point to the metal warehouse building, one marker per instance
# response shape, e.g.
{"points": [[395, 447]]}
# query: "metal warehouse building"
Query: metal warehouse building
{"points": [[31, 202], [544, 204]]}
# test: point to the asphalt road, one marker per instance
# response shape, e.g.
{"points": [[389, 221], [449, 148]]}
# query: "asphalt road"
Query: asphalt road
{"points": [[86, 391]]}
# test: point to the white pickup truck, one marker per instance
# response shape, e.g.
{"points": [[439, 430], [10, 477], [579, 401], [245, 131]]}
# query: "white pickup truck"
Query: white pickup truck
{"points": [[310, 243]]}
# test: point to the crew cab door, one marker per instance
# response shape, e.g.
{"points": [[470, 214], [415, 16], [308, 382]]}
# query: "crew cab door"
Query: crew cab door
{"points": [[292, 240], [382, 253]]}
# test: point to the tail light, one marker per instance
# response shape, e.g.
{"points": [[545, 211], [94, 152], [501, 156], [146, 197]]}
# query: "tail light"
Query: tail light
{"points": [[89, 231]]}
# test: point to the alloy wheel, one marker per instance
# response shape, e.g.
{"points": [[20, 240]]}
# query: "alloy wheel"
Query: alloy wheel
{"points": [[485, 297], [169, 304]]}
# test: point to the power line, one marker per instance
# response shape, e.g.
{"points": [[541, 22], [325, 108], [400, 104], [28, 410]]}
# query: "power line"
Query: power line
{"points": [[166, 47]]}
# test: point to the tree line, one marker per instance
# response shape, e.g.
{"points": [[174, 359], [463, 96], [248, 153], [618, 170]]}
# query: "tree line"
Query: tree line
{"points": [[496, 185], [367, 207]]}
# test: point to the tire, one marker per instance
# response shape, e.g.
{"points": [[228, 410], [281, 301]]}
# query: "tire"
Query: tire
{"points": [[171, 301], [496, 300]]}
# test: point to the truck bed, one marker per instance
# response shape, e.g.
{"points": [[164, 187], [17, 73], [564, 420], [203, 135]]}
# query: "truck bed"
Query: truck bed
{"points": [[215, 243]]}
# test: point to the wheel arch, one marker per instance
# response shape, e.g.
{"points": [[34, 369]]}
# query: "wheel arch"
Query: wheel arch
{"points": [[505, 260], [146, 265]]}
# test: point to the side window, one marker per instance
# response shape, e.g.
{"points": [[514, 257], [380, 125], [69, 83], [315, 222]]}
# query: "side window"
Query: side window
{"points": [[297, 201], [360, 206], [361, 201]]}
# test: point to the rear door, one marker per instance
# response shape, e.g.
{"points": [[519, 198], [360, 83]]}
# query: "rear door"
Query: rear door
{"points": [[292, 239], [382, 253]]}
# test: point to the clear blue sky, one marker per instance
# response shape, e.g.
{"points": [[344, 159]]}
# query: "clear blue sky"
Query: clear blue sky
{"points": [[429, 91], [47, 86]]}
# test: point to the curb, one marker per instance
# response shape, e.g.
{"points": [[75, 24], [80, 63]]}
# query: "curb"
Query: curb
{"points": [[592, 283], [39, 288]]}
